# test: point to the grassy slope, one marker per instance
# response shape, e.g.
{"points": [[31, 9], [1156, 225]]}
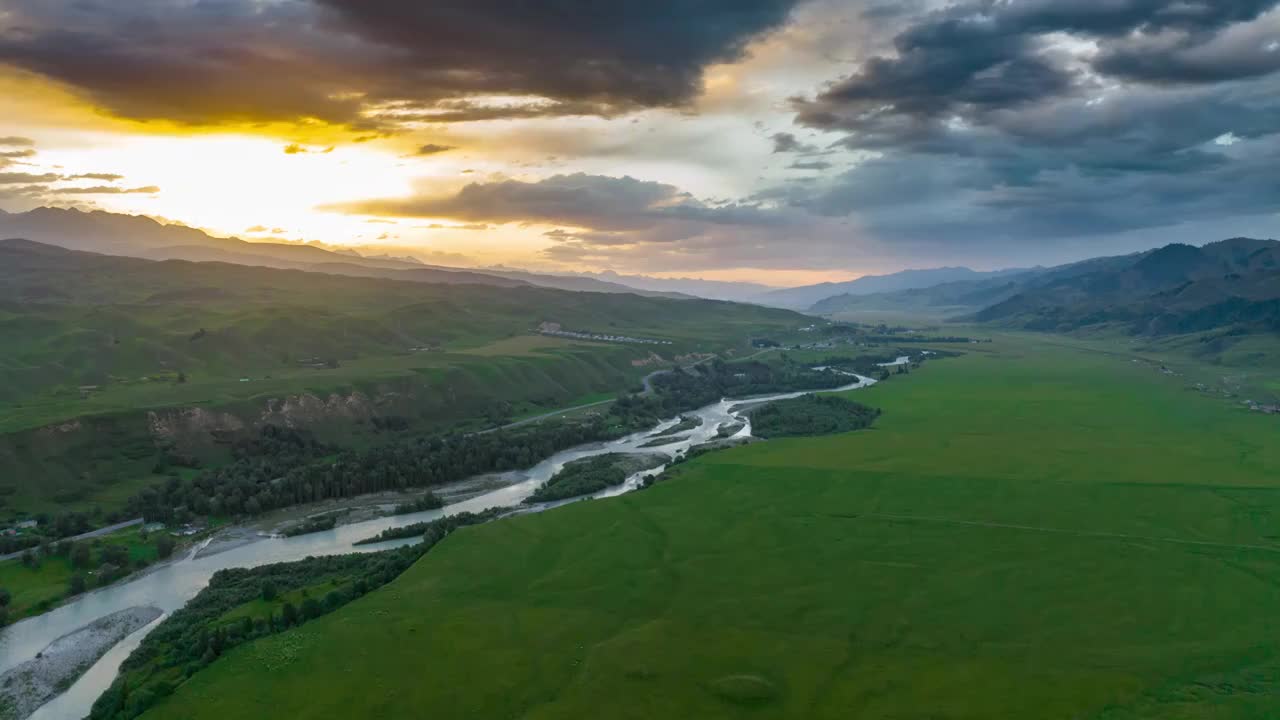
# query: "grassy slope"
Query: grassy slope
{"points": [[1079, 547], [113, 456], [128, 327]]}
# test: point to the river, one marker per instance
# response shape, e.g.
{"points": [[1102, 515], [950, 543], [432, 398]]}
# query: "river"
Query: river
{"points": [[170, 586]]}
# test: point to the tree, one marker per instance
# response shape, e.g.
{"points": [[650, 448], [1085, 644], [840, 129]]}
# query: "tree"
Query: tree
{"points": [[182, 377], [164, 546], [117, 555], [80, 555], [76, 585], [289, 614], [268, 591], [5, 597], [29, 559], [311, 608]]}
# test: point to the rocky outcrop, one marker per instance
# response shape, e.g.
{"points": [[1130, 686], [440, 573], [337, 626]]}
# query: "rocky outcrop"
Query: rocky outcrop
{"points": [[304, 410], [174, 425]]}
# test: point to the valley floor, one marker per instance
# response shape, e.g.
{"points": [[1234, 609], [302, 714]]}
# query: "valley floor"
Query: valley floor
{"points": [[1029, 531]]}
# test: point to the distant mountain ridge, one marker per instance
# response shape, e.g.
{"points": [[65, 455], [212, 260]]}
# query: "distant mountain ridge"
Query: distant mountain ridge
{"points": [[710, 289], [1174, 289], [142, 237], [1170, 290], [804, 297]]}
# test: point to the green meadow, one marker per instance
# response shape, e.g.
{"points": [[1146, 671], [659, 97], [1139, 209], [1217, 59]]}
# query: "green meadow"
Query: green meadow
{"points": [[37, 587], [1028, 531]]}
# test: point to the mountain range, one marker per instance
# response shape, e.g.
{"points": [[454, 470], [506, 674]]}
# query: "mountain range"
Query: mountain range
{"points": [[142, 237], [1170, 290], [804, 297]]}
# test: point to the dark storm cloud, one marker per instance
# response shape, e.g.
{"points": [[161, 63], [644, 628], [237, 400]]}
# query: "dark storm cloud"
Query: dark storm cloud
{"points": [[1240, 52], [985, 56], [989, 123], [1121, 17], [951, 59], [335, 60]]}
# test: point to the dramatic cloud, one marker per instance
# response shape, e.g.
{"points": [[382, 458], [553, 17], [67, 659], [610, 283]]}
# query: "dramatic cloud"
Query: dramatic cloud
{"points": [[826, 134], [629, 221], [1005, 123], [1240, 51], [363, 62], [610, 207]]}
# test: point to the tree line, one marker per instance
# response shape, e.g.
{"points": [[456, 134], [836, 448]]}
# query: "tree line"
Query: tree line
{"points": [[200, 632], [282, 467]]}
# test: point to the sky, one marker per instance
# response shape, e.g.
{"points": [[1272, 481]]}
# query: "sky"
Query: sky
{"points": [[780, 141]]}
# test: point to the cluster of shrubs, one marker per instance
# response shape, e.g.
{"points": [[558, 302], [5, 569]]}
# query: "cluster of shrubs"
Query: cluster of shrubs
{"points": [[197, 634], [811, 415]]}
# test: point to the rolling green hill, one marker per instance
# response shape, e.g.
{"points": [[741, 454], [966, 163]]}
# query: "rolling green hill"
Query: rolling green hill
{"points": [[1219, 302], [1176, 289], [103, 359]]}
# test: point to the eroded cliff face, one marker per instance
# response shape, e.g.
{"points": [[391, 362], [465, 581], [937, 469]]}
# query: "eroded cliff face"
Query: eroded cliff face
{"points": [[300, 411], [188, 429], [176, 426]]}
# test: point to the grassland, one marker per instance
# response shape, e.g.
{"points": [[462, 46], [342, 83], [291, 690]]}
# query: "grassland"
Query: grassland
{"points": [[97, 352], [1029, 531], [38, 587]]}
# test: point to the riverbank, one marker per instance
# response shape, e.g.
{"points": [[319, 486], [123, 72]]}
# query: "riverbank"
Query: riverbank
{"points": [[26, 687], [849, 575], [173, 586], [350, 511], [59, 572]]}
